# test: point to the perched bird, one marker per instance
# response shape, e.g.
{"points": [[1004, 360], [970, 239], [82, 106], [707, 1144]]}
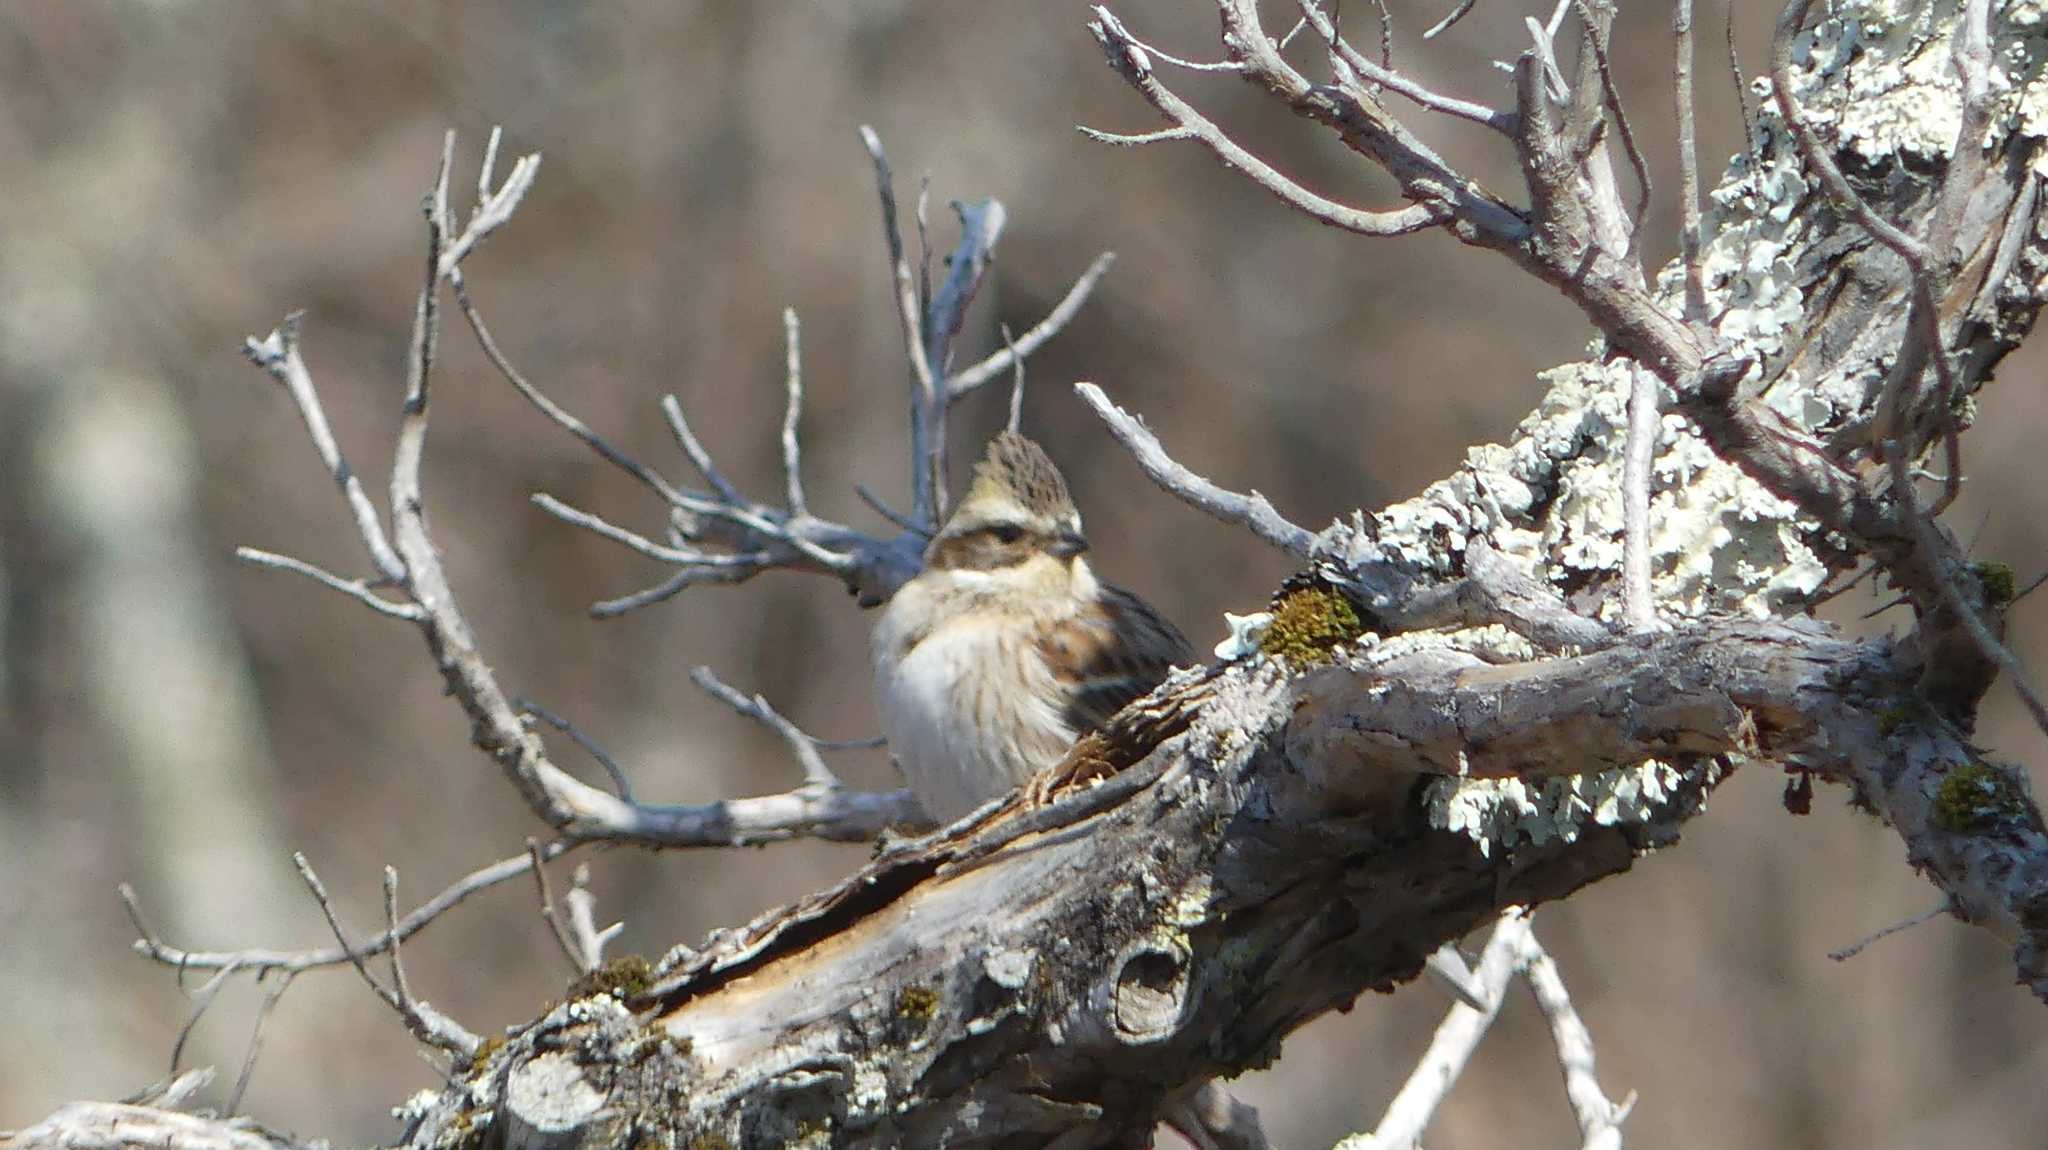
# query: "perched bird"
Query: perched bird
{"points": [[1005, 649]]}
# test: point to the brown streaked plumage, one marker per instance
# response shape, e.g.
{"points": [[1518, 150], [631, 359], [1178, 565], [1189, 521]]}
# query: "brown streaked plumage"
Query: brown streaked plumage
{"points": [[1006, 648]]}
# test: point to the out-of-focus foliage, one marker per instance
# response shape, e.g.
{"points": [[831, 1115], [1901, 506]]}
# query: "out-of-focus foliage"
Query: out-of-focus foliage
{"points": [[176, 175]]}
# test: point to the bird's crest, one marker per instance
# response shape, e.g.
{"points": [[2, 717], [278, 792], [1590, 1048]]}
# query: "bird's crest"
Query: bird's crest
{"points": [[1017, 470]]}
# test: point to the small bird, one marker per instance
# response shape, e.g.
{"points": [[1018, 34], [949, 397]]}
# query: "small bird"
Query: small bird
{"points": [[1005, 649]]}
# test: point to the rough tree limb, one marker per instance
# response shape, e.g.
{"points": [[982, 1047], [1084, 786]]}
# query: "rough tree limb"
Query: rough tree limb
{"points": [[1282, 832]]}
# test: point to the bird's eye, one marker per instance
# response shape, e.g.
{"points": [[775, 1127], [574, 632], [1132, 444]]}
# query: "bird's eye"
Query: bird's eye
{"points": [[1007, 533]]}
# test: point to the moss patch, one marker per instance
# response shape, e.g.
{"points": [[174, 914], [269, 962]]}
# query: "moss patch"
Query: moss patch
{"points": [[915, 1006], [1997, 581], [1310, 622], [626, 976], [1978, 796]]}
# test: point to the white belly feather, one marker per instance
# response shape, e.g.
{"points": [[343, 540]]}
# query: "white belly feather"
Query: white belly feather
{"points": [[966, 711]]}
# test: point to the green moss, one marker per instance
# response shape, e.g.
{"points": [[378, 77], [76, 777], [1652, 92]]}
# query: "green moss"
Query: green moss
{"points": [[1997, 581], [1308, 623], [1889, 721], [626, 976], [916, 1004], [1977, 796]]}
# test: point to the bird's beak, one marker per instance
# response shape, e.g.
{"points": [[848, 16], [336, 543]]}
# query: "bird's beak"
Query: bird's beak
{"points": [[1067, 544]]}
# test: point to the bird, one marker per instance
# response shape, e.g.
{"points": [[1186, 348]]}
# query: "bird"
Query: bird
{"points": [[1006, 647]]}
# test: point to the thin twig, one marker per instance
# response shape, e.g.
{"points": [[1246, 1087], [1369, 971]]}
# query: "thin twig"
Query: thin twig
{"points": [[793, 381], [1016, 383], [202, 1001], [150, 945], [1384, 75], [357, 589], [553, 917], [1753, 150], [590, 746], [255, 1048], [630, 539], [1598, 1118], [923, 374], [548, 407], [699, 457], [279, 356], [1450, 20], [430, 1027], [878, 506], [981, 227], [1135, 67], [2031, 587], [1860, 945], [1457, 1036], [1688, 167], [1251, 511], [1610, 94], [1639, 459], [583, 920], [755, 707], [675, 584], [1055, 321], [1927, 535]]}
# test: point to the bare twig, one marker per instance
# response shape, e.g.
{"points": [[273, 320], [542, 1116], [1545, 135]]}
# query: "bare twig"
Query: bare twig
{"points": [[1055, 321], [202, 1001], [1457, 1036], [399, 986], [755, 707], [1383, 74], [793, 381], [357, 589], [426, 1024], [1640, 608], [881, 508], [255, 1047], [925, 493], [1450, 19], [1016, 383], [1598, 1118], [590, 941], [1688, 166], [1860, 945], [1251, 511], [620, 784], [1130, 61], [981, 226], [698, 456], [551, 915], [548, 407], [279, 356], [1987, 642], [149, 945]]}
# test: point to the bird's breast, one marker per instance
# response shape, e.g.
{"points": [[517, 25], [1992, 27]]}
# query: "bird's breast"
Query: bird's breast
{"points": [[970, 710]]}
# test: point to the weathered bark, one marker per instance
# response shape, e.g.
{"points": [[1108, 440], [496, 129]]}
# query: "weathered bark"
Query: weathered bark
{"points": [[1265, 840]]}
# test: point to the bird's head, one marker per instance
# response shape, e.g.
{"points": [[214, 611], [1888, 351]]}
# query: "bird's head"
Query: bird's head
{"points": [[1015, 520]]}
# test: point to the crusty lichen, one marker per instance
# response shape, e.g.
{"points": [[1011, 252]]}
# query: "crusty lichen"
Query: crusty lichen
{"points": [[1309, 623], [1505, 813], [1976, 797], [1550, 498]]}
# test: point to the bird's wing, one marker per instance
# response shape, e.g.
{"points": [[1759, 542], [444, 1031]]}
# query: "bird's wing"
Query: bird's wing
{"points": [[1110, 654]]}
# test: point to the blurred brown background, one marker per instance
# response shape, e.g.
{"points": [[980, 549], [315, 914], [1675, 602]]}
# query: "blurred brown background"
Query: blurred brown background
{"points": [[176, 175]]}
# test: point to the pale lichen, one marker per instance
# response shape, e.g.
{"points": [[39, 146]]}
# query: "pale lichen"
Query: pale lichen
{"points": [[1506, 813]]}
